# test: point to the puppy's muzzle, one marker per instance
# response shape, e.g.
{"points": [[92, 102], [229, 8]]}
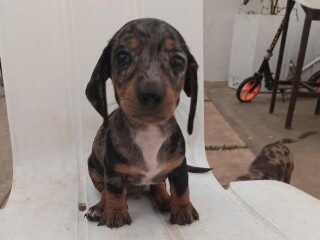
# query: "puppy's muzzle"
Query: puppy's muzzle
{"points": [[150, 96]]}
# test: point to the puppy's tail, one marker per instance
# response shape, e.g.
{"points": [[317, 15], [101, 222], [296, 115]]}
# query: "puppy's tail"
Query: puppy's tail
{"points": [[193, 169], [302, 136]]}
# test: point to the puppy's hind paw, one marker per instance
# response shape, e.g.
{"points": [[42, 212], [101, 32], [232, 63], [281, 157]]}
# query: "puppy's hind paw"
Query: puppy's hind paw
{"points": [[163, 205], [94, 213]]}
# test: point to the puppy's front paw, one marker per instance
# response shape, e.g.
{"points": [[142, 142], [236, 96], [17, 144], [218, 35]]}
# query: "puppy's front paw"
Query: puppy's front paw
{"points": [[183, 215], [115, 219]]}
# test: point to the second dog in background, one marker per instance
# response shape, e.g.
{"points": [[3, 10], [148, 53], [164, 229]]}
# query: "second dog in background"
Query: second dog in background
{"points": [[274, 162]]}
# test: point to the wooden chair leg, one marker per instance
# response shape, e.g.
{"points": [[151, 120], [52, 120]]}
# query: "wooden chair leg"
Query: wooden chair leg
{"points": [[297, 76], [280, 56]]}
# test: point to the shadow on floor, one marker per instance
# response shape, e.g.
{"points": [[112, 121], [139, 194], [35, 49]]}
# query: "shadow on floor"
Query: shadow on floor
{"points": [[5, 151]]}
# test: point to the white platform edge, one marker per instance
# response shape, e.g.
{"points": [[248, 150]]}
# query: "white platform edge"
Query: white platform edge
{"points": [[314, 4], [288, 209]]}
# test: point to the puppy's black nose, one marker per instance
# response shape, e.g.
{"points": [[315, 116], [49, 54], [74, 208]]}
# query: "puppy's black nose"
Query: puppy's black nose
{"points": [[150, 98]]}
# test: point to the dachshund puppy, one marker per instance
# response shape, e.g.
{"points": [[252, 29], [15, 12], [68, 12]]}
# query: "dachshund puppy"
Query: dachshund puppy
{"points": [[140, 143], [274, 162]]}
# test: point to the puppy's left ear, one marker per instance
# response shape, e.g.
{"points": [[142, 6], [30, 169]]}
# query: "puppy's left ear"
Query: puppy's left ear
{"points": [[191, 88], [96, 88]]}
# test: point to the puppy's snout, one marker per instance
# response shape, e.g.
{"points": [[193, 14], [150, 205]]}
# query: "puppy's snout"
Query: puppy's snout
{"points": [[150, 97]]}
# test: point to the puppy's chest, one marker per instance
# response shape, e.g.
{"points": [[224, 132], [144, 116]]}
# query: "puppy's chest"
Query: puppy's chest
{"points": [[149, 141]]}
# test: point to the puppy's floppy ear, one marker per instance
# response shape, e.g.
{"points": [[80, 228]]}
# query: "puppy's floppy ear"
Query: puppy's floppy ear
{"points": [[96, 88], [191, 88]]}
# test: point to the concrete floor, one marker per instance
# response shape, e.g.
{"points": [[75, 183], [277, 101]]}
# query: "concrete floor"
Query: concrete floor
{"points": [[256, 127]]}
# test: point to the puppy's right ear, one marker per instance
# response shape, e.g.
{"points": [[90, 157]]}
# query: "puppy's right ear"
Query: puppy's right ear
{"points": [[96, 88]]}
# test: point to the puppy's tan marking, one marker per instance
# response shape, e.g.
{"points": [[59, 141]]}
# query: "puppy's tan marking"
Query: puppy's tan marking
{"points": [[96, 179], [160, 196], [129, 169], [168, 167], [133, 43], [169, 44], [127, 95]]}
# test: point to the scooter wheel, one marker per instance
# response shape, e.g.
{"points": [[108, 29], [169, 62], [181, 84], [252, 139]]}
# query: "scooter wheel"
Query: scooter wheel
{"points": [[245, 93], [315, 78]]}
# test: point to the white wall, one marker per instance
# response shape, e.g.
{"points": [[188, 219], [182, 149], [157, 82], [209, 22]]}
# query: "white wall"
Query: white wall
{"points": [[252, 35], [313, 49], [218, 22], [219, 18]]}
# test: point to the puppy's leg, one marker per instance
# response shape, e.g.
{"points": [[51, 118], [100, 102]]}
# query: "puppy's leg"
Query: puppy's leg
{"points": [[95, 172], [288, 168], [115, 213], [160, 196], [112, 209], [182, 211], [288, 173]]}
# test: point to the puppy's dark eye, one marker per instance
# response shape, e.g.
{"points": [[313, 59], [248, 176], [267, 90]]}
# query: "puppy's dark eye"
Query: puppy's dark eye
{"points": [[123, 59], [177, 63]]}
